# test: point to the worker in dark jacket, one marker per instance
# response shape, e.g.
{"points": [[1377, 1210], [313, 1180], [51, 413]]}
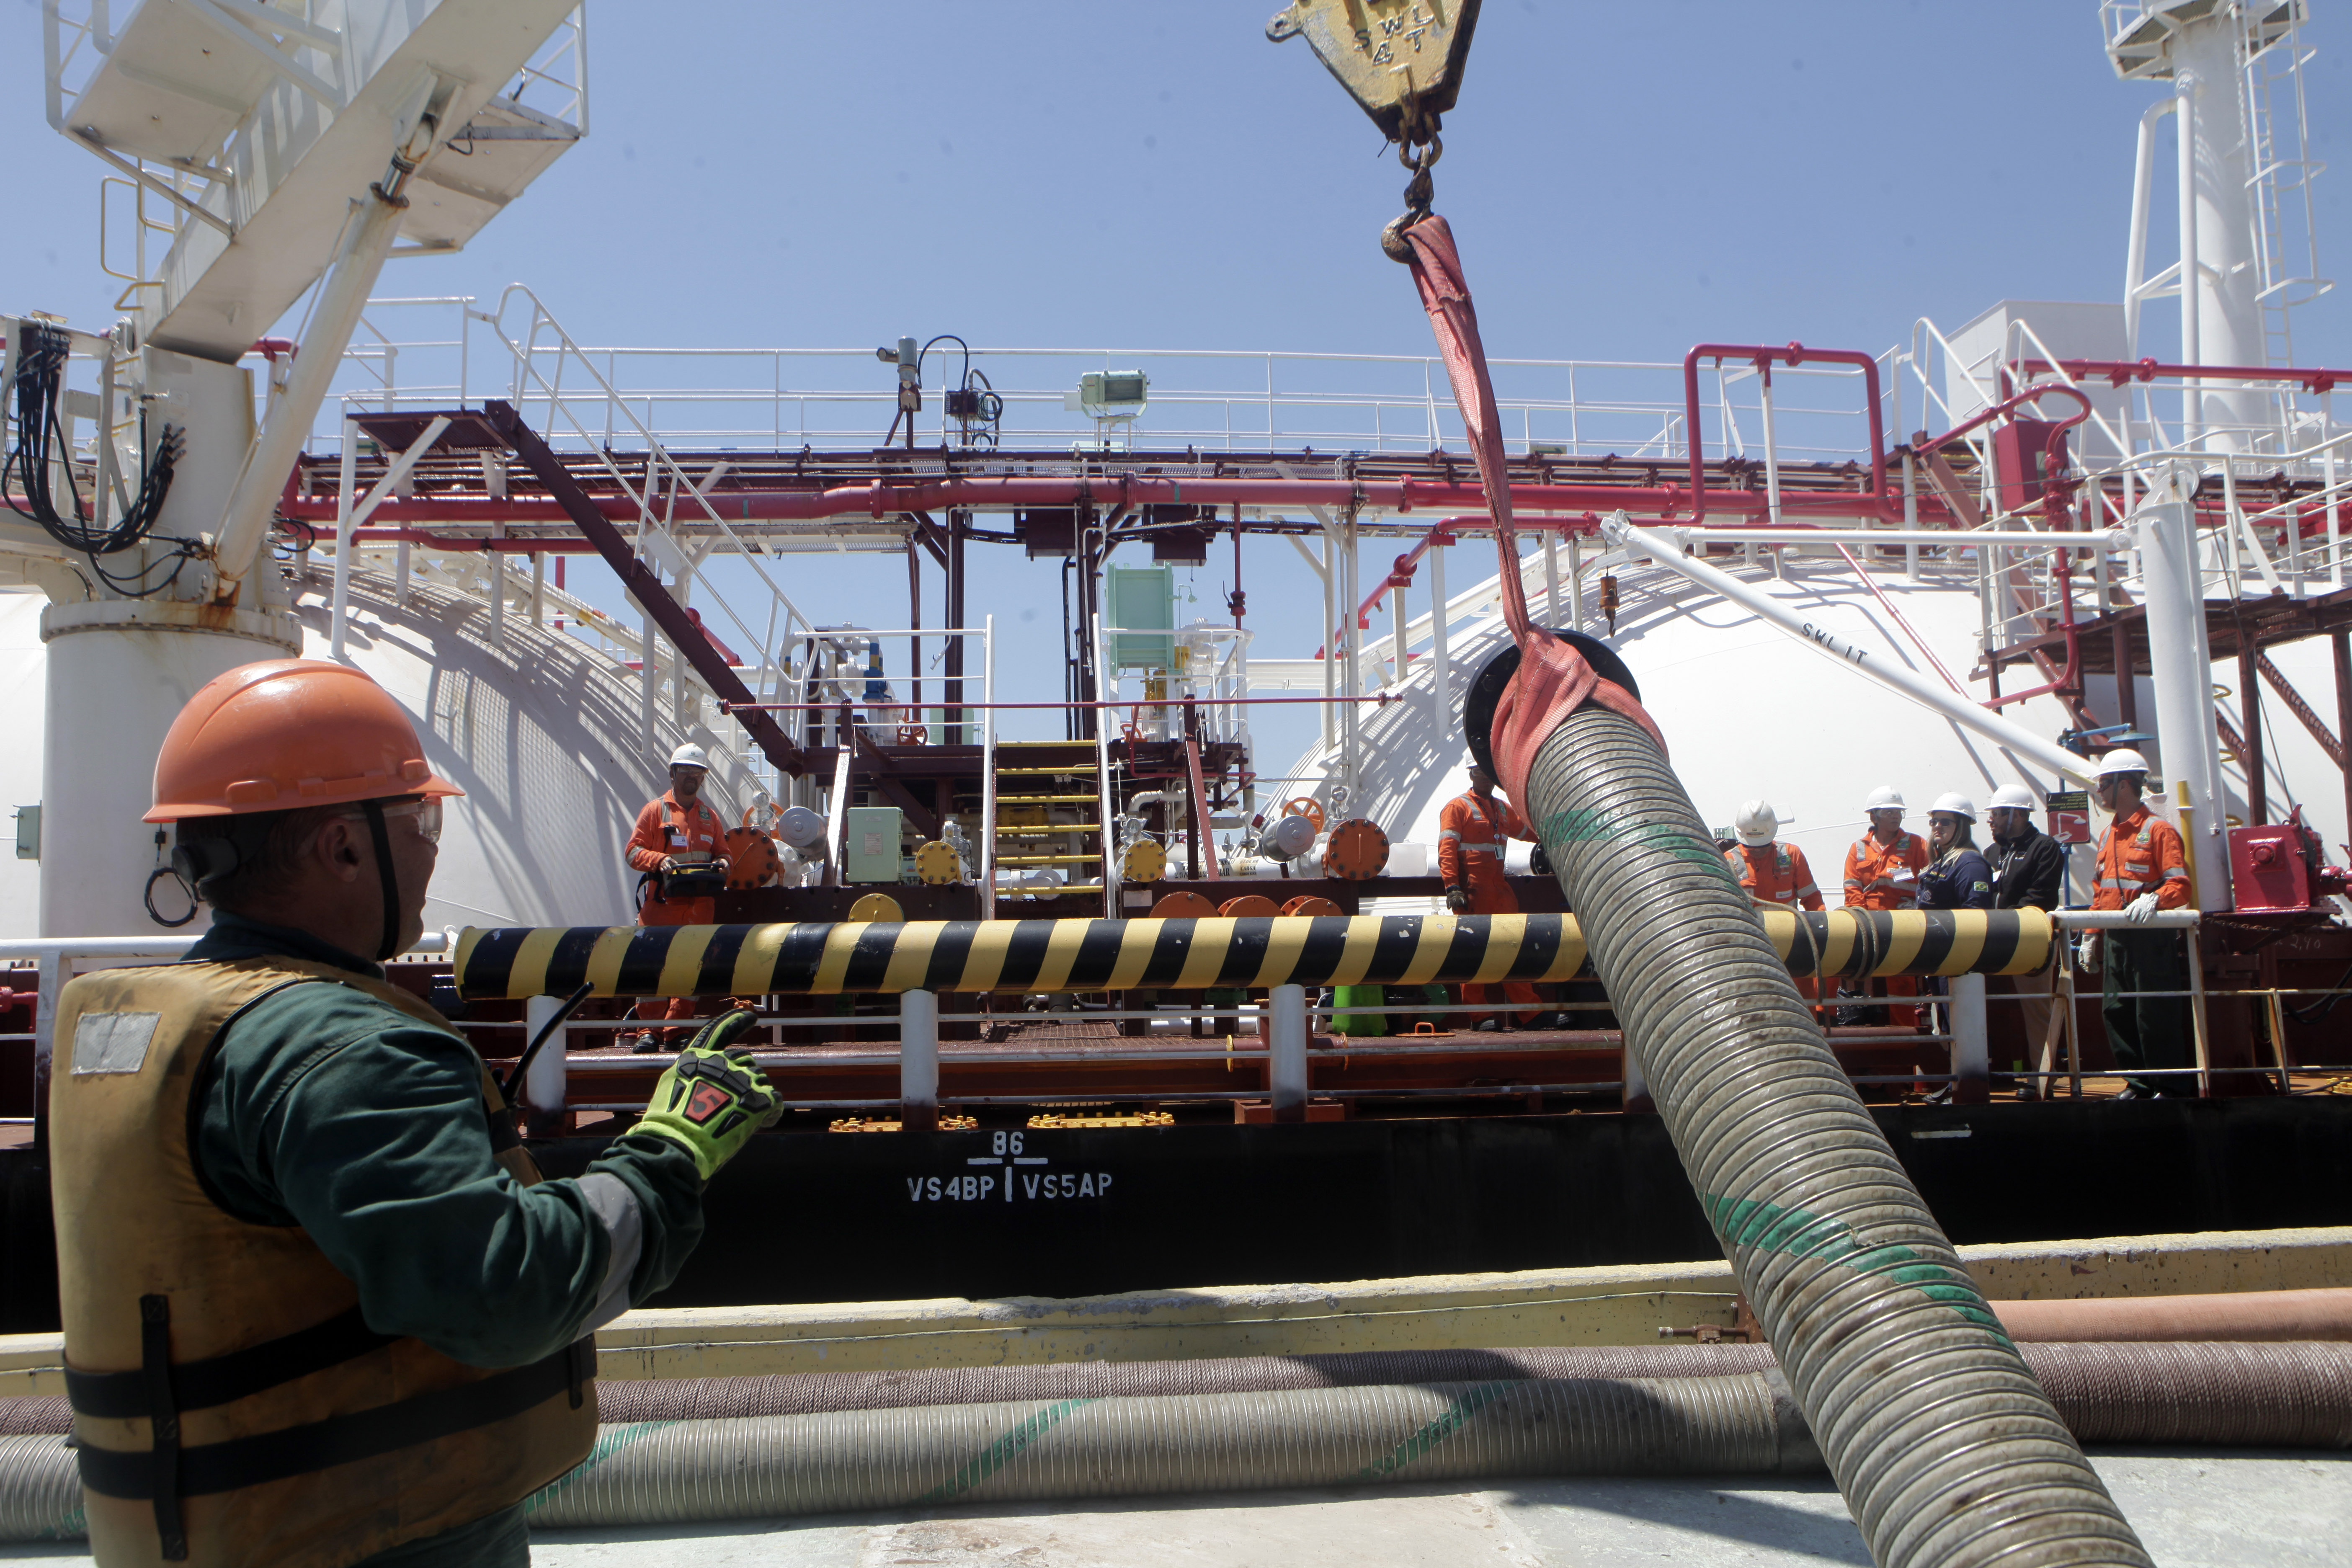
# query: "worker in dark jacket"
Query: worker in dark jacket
{"points": [[2029, 872], [2029, 867], [1957, 876], [302, 1257]]}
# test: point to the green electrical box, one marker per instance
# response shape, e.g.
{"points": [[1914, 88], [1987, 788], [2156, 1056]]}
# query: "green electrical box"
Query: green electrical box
{"points": [[1139, 616], [871, 854], [1360, 1025]]}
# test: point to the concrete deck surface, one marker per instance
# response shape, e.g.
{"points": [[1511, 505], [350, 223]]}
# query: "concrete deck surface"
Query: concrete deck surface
{"points": [[2193, 1509]]}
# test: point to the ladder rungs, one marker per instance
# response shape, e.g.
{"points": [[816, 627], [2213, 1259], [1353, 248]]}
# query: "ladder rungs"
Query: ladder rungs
{"points": [[1040, 832], [1004, 800], [1040, 745], [1073, 769], [1046, 859], [1058, 890]]}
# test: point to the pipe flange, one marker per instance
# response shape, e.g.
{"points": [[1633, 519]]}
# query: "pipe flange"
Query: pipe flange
{"points": [[1478, 702]]}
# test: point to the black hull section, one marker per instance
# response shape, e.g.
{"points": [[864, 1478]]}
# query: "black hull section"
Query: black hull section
{"points": [[887, 1217]]}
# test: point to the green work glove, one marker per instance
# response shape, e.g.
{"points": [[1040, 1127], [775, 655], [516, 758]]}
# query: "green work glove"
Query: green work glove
{"points": [[710, 1102]]}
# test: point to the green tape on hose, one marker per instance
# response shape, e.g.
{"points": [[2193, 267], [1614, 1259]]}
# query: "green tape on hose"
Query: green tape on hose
{"points": [[1797, 1233], [997, 1455], [73, 1525], [1588, 824], [1456, 1417], [610, 1440]]}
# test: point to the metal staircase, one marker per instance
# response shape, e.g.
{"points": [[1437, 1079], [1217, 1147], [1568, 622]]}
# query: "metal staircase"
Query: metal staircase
{"points": [[1048, 815]]}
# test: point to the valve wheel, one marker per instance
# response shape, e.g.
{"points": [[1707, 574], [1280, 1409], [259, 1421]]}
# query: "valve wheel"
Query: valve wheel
{"points": [[1308, 806]]}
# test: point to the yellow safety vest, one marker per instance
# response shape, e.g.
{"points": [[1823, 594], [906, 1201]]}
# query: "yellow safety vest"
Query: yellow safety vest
{"points": [[231, 1405]]}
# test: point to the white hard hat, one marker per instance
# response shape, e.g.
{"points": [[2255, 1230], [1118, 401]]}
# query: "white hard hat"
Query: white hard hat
{"points": [[2123, 760], [690, 756], [2014, 795], [1955, 805], [1756, 824], [799, 827], [1885, 797]]}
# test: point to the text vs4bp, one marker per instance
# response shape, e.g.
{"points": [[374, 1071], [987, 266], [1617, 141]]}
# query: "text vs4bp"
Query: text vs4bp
{"points": [[1015, 1186], [1007, 1175]]}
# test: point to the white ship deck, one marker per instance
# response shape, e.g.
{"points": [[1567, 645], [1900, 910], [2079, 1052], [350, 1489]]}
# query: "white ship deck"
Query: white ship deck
{"points": [[2193, 1508]]}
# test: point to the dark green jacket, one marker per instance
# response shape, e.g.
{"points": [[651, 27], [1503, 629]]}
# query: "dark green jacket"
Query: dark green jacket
{"points": [[325, 1108]]}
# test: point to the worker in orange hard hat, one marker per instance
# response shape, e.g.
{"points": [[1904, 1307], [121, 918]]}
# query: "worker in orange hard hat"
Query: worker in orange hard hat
{"points": [[1471, 829], [680, 851], [301, 1255]]}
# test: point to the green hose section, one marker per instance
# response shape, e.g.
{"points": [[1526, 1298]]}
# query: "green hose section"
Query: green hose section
{"points": [[997, 1455], [852, 1461]]}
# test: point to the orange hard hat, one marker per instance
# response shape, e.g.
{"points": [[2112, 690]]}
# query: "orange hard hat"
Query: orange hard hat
{"points": [[285, 734]]}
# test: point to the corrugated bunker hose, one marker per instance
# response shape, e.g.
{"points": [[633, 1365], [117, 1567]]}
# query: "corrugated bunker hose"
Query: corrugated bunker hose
{"points": [[711, 1449], [1945, 1446], [776, 1466], [1947, 1451], [2267, 1394]]}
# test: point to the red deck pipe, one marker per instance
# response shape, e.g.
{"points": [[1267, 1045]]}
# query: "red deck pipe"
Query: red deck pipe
{"points": [[1792, 355], [878, 500], [2116, 372]]}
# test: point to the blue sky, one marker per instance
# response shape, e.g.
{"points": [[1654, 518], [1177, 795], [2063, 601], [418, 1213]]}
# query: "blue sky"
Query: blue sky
{"points": [[1625, 180]]}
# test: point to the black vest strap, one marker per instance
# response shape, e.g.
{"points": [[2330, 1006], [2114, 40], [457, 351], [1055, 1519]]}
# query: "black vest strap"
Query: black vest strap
{"points": [[340, 1439], [161, 1460], [218, 1380]]}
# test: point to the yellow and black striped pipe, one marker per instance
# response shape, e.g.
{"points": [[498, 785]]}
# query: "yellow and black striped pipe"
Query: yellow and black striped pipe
{"points": [[822, 958]]}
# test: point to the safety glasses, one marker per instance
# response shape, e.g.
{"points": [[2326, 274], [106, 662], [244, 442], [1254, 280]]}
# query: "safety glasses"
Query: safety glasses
{"points": [[428, 813]]}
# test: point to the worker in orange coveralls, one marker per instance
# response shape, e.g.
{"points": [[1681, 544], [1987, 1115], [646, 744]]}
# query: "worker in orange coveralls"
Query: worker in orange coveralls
{"points": [[1774, 875], [2142, 870], [1882, 872], [678, 833], [1470, 834]]}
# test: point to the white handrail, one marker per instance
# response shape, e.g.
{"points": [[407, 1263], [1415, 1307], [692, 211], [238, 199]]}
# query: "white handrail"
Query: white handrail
{"points": [[2020, 328], [525, 356], [988, 771], [1103, 820], [1666, 548], [37, 948]]}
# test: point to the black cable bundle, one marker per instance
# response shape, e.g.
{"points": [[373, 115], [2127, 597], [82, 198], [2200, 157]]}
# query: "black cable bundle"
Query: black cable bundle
{"points": [[39, 386]]}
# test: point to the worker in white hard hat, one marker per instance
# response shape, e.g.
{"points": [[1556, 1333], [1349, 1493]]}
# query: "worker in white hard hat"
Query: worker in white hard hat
{"points": [[1956, 877], [2029, 872], [1882, 872], [679, 852], [1773, 875], [2141, 870]]}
